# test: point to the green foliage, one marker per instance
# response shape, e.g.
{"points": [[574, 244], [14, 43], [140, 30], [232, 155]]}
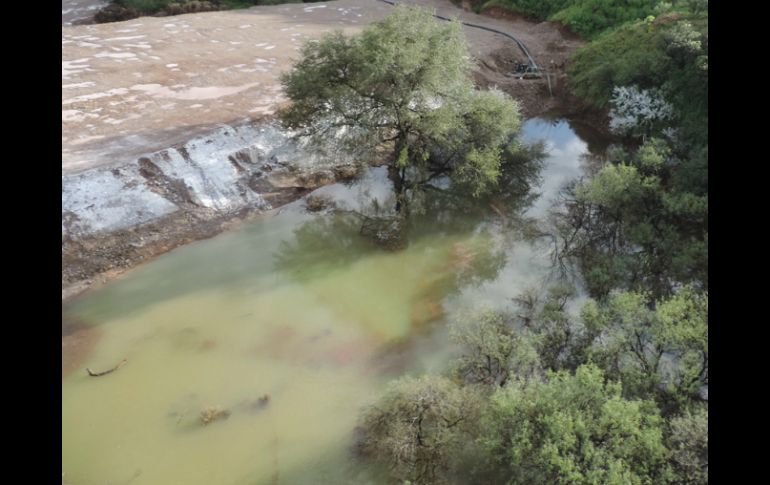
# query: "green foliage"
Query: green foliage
{"points": [[669, 220], [660, 351], [698, 6], [670, 54], [686, 82], [559, 340], [491, 350], [633, 226], [630, 55], [567, 428], [585, 17], [689, 445], [482, 132], [683, 41], [418, 426], [692, 173], [389, 77], [663, 8], [573, 429], [592, 17], [683, 332], [652, 156], [520, 169], [405, 80], [615, 187], [607, 206], [539, 9]]}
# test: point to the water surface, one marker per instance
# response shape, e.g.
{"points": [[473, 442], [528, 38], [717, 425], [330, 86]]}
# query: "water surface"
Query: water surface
{"points": [[297, 307]]}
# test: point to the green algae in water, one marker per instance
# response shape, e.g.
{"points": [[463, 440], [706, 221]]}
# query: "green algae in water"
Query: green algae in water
{"points": [[318, 346], [296, 307]]}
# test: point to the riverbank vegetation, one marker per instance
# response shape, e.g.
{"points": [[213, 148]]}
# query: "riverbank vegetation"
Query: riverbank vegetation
{"points": [[641, 223], [613, 395], [405, 83], [615, 389], [590, 18]]}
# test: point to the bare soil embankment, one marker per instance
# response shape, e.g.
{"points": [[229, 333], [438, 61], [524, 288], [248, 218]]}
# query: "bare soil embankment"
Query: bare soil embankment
{"points": [[144, 88]]}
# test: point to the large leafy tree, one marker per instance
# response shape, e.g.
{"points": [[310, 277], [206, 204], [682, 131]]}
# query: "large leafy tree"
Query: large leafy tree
{"points": [[404, 83], [491, 350], [418, 427], [574, 429], [658, 350], [631, 226]]}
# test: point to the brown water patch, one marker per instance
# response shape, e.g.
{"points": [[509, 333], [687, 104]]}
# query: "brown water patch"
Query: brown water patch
{"points": [[77, 341], [392, 358], [348, 352]]}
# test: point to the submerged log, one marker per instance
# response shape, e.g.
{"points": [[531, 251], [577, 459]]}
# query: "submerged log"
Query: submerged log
{"points": [[98, 374]]}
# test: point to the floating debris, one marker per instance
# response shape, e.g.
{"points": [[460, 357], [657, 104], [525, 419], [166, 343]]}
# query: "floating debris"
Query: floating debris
{"points": [[213, 413], [98, 374]]}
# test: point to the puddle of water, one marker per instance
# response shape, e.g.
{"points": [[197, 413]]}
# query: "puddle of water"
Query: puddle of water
{"points": [[297, 307]]}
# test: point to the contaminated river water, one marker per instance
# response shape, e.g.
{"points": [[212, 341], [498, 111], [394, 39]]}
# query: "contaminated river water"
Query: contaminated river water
{"points": [[284, 330]]}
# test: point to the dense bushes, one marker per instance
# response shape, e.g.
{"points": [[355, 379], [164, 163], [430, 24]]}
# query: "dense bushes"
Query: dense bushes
{"points": [[654, 76], [573, 429], [631, 55], [585, 17], [618, 392], [419, 427], [542, 396], [539, 9], [668, 54], [592, 17], [630, 227]]}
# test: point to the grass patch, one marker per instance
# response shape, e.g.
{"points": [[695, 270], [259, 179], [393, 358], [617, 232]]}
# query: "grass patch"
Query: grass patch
{"points": [[588, 18]]}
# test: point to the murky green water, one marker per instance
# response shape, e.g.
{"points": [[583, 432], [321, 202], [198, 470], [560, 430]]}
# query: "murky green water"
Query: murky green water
{"points": [[297, 307]]}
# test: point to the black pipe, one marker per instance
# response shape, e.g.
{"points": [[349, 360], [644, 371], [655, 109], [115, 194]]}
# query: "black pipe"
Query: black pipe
{"points": [[532, 65]]}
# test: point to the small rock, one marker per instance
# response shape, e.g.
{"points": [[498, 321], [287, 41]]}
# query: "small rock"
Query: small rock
{"points": [[260, 404], [346, 172]]}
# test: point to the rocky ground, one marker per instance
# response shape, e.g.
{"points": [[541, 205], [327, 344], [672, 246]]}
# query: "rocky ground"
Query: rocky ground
{"points": [[75, 12], [146, 103]]}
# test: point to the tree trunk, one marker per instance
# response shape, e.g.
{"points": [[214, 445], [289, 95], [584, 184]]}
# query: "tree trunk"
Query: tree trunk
{"points": [[398, 174]]}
